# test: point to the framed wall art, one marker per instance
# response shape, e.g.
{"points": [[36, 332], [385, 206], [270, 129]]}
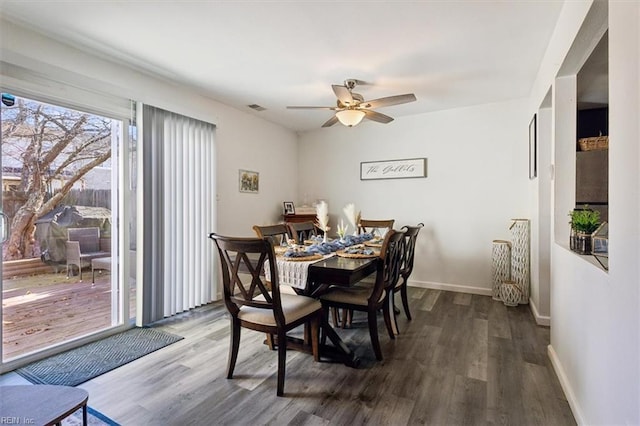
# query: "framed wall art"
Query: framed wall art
{"points": [[249, 181], [394, 169]]}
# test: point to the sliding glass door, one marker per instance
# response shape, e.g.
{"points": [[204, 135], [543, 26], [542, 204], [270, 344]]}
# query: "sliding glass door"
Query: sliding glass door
{"points": [[67, 269]]}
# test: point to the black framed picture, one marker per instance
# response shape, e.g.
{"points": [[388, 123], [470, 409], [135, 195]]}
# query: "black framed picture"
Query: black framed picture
{"points": [[533, 148], [289, 208]]}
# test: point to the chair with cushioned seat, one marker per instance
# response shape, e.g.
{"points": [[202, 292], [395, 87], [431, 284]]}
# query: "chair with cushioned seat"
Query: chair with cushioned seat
{"points": [[408, 256], [377, 228], [372, 299], [83, 245], [252, 305]]}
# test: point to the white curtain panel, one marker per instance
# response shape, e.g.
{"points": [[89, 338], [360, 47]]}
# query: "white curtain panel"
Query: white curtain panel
{"points": [[179, 213]]}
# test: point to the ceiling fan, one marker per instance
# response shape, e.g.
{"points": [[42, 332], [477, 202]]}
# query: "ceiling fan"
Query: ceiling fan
{"points": [[351, 107]]}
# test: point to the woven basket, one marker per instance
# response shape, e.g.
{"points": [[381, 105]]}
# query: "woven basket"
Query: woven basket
{"points": [[342, 253], [510, 293], [595, 143], [500, 266], [520, 259], [302, 258]]}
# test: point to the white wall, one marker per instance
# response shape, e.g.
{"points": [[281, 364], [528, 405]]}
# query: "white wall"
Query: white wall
{"points": [[477, 180], [595, 315], [243, 141], [541, 255], [251, 144]]}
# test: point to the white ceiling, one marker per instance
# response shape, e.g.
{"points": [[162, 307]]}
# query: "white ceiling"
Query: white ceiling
{"points": [[278, 53]]}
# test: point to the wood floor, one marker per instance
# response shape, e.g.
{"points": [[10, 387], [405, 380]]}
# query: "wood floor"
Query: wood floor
{"points": [[464, 359], [43, 310]]}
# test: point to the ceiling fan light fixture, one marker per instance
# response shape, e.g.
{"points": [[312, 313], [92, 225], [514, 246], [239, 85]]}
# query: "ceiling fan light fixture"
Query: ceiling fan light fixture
{"points": [[351, 107], [350, 117]]}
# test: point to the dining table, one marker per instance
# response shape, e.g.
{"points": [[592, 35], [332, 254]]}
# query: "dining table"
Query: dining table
{"points": [[311, 278]]}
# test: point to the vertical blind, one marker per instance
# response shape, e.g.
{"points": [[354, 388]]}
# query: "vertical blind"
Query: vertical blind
{"points": [[178, 162]]}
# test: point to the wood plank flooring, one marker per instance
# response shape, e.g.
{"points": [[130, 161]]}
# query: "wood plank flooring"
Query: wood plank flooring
{"points": [[43, 310], [464, 359]]}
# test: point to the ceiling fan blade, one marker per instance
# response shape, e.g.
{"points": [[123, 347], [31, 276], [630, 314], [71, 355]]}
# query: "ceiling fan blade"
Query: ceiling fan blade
{"points": [[312, 107], [388, 101], [330, 122], [376, 116], [343, 94]]}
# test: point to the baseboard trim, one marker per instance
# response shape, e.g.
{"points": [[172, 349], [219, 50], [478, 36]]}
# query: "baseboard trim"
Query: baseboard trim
{"points": [[540, 320], [566, 386], [450, 287]]}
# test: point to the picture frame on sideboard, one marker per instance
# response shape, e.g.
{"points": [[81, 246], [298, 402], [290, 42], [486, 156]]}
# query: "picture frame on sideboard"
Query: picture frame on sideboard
{"points": [[289, 208]]}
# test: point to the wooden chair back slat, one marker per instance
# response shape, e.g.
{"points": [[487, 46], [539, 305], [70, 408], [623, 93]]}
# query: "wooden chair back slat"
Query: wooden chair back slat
{"points": [[389, 263], [243, 262], [301, 231], [408, 256], [278, 234], [375, 227], [410, 238]]}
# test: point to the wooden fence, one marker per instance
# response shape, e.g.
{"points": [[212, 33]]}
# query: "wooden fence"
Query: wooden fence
{"points": [[13, 200]]}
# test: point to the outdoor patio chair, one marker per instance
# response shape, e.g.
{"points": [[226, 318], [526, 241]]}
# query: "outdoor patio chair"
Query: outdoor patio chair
{"points": [[84, 245]]}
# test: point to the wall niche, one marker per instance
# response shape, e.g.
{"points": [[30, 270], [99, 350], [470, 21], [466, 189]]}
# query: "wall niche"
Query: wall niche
{"points": [[592, 164]]}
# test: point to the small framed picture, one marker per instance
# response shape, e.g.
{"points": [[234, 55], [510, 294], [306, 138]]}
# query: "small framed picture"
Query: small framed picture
{"points": [[249, 181], [289, 208]]}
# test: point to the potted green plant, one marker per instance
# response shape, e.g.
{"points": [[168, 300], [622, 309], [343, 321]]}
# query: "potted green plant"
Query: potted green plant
{"points": [[584, 222]]}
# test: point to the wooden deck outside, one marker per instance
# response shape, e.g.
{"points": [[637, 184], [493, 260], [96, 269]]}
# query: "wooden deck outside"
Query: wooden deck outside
{"points": [[42, 310]]}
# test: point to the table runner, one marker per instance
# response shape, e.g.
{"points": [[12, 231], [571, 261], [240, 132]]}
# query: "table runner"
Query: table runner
{"points": [[293, 273]]}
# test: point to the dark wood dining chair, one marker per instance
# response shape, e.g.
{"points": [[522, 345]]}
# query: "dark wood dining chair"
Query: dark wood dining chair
{"points": [[301, 231], [408, 256], [372, 299], [278, 234], [252, 305], [375, 227]]}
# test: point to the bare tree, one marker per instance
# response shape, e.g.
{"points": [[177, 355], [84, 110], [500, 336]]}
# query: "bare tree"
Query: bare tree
{"points": [[48, 145]]}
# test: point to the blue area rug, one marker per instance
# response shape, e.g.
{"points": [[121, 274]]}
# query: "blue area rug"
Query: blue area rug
{"points": [[86, 362], [94, 418]]}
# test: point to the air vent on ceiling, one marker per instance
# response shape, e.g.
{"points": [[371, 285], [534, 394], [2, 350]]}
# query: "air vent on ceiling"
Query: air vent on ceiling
{"points": [[256, 107]]}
